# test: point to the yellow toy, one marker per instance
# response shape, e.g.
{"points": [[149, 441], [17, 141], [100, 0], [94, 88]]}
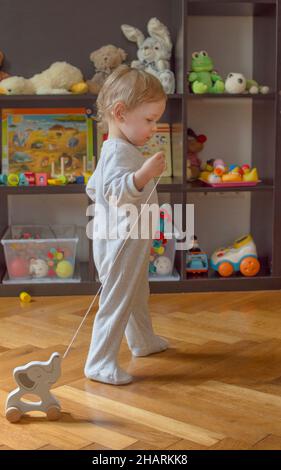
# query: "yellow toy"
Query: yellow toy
{"points": [[13, 179], [215, 172], [25, 297]]}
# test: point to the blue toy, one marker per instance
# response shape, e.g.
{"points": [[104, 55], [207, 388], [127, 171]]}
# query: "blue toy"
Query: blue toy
{"points": [[196, 260]]}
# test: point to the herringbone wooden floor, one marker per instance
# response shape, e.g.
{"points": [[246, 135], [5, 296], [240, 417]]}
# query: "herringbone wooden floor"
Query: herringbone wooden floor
{"points": [[217, 387]]}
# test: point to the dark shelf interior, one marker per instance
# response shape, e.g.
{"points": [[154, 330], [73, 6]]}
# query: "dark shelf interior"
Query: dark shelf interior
{"points": [[230, 8]]}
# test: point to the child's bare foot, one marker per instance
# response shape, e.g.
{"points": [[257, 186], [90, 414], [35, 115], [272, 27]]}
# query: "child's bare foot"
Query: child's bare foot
{"points": [[158, 345]]}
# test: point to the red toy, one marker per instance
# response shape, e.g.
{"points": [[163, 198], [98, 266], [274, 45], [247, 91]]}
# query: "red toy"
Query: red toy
{"points": [[41, 179], [30, 176]]}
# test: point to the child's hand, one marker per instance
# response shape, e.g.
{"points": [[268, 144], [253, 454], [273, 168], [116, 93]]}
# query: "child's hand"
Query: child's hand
{"points": [[155, 165]]}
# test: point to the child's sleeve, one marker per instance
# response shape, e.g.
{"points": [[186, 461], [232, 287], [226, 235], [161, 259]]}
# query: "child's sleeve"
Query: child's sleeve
{"points": [[91, 188], [118, 179]]}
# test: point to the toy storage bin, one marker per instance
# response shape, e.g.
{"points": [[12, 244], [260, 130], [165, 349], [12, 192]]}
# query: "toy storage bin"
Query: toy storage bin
{"points": [[164, 269], [40, 253]]}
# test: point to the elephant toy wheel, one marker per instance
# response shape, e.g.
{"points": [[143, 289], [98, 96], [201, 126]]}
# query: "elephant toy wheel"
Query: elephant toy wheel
{"points": [[53, 413], [13, 414], [249, 266], [225, 269]]}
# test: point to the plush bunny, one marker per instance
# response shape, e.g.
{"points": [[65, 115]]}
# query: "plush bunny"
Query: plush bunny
{"points": [[154, 52]]}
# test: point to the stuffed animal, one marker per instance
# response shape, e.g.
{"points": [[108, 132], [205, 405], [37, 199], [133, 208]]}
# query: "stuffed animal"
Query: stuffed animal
{"points": [[59, 78], [195, 144], [237, 83], [203, 78], [105, 60], [2, 74], [154, 52]]}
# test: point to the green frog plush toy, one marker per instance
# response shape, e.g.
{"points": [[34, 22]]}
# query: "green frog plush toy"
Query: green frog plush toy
{"points": [[203, 78]]}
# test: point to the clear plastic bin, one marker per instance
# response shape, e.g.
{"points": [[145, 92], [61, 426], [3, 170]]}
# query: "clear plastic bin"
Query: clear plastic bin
{"points": [[162, 253], [40, 253]]}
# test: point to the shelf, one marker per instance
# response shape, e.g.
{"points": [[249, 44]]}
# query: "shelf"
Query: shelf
{"points": [[170, 184], [85, 287], [227, 96], [166, 184], [64, 189], [230, 8], [35, 101], [199, 187]]}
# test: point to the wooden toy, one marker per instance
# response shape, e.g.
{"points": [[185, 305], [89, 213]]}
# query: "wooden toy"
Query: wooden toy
{"points": [[30, 176], [80, 179], [35, 378], [54, 182], [13, 179], [3, 179], [23, 181], [41, 179]]}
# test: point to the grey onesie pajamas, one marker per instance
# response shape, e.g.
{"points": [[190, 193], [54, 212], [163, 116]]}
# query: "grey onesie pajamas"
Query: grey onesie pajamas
{"points": [[123, 302]]}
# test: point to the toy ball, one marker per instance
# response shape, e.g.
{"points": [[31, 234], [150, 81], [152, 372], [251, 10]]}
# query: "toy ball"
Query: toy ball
{"points": [[64, 269], [38, 268], [235, 83], [25, 297], [163, 265], [19, 267], [59, 256]]}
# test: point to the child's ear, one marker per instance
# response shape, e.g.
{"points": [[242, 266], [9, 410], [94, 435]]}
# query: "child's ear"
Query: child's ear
{"points": [[119, 111]]}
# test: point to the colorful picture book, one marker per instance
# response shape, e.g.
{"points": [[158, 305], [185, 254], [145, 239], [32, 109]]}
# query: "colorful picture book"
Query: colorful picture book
{"points": [[37, 140], [161, 140]]}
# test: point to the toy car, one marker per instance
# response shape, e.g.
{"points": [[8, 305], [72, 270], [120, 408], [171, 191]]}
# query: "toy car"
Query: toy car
{"points": [[196, 262], [240, 256]]}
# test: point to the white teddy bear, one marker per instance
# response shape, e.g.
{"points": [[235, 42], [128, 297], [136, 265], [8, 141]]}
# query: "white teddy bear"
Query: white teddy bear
{"points": [[59, 78], [154, 52]]}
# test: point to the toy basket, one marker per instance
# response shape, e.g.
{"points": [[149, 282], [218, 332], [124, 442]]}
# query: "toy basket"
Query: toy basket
{"points": [[40, 253]]}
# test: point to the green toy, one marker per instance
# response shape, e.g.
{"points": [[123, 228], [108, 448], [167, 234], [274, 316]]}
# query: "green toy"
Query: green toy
{"points": [[203, 78]]}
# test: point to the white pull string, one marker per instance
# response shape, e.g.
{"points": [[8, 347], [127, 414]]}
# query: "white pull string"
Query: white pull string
{"points": [[93, 301]]}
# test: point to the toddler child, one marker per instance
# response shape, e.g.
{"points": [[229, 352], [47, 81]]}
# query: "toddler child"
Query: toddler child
{"points": [[130, 103]]}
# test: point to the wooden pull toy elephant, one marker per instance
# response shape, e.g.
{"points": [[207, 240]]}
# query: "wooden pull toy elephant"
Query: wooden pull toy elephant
{"points": [[36, 378]]}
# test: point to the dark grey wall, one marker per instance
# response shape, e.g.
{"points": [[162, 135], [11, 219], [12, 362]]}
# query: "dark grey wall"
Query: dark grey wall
{"points": [[35, 33]]}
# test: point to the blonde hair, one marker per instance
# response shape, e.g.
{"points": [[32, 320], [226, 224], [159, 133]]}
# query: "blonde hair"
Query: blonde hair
{"points": [[131, 86]]}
